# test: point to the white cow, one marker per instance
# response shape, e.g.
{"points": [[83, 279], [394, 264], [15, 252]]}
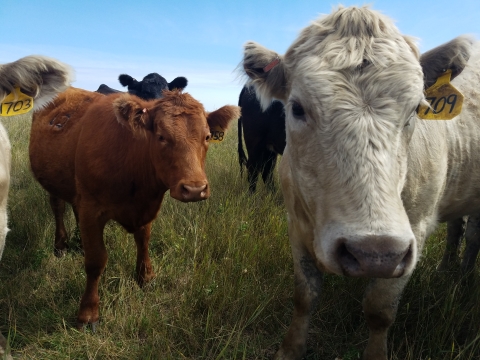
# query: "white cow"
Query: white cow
{"points": [[41, 78], [365, 181]]}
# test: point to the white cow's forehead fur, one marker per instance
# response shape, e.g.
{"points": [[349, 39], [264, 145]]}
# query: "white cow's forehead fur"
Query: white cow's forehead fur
{"points": [[348, 36], [344, 41]]}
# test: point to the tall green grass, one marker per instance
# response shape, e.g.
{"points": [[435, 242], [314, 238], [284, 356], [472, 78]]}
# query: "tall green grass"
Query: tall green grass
{"points": [[224, 283]]}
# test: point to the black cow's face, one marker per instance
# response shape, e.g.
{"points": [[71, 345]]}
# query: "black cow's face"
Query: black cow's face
{"points": [[153, 86]]}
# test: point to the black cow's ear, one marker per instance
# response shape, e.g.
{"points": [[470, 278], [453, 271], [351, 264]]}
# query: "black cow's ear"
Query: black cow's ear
{"points": [[452, 55], [178, 83], [126, 80]]}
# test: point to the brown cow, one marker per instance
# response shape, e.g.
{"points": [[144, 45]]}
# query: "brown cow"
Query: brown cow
{"points": [[114, 157]]}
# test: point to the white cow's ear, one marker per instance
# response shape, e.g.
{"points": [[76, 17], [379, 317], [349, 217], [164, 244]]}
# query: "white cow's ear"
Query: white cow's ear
{"points": [[266, 71], [132, 113], [452, 55]]}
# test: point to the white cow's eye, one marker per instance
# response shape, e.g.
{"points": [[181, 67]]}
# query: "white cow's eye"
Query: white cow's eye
{"points": [[297, 110]]}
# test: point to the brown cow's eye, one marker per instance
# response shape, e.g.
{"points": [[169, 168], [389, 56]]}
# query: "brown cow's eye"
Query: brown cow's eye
{"points": [[209, 136], [297, 110], [161, 138]]}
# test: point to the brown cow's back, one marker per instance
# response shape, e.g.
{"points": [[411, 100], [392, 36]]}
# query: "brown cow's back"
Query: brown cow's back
{"points": [[53, 141]]}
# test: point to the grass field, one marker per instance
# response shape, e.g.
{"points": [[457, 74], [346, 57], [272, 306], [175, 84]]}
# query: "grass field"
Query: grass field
{"points": [[224, 283]]}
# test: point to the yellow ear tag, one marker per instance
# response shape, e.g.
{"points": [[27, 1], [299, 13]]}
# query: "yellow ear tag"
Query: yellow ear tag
{"points": [[445, 101], [16, 103], [218, 134]]}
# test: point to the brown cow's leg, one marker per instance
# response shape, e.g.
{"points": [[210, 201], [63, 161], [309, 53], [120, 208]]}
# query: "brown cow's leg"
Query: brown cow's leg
{"points": [[58, 208], [76, 232], [144, 268], [308, 282], [454, 235], [380, 305], [91, 231]]}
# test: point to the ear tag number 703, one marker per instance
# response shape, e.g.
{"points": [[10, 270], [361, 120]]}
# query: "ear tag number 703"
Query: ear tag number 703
{"points": [[445, 100], [16, 103]]}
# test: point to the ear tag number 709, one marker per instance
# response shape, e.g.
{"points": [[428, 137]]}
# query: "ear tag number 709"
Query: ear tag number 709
{"points": [[445, 100], [16, 103]]}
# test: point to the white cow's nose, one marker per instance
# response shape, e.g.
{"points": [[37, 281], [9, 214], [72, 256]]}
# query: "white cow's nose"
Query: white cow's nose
{"points": [[374, 256]]}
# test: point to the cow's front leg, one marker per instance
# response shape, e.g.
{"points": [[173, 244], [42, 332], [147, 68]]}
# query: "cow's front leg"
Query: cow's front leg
{"points": [[144, 268], [308, 282], [380, 305], [91, 231]]}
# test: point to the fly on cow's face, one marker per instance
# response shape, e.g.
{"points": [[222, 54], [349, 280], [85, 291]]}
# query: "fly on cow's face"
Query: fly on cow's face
{"points": [[363, 65]]}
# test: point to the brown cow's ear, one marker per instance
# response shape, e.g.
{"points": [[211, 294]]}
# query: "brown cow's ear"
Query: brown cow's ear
{"points": [[132, 113], [222, 117], [266, 71], [452, 55]]}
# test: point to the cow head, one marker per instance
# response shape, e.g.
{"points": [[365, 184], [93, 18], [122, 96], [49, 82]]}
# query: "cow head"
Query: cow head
{"points": [[177, 130], [350, 84], [152, 85]]}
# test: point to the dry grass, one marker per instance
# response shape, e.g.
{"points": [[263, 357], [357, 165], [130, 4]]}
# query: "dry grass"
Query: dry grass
{"points": [[223, 288]]}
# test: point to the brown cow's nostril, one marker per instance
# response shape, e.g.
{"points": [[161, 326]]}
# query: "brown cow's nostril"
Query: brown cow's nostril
{"points": [[185, 191]]}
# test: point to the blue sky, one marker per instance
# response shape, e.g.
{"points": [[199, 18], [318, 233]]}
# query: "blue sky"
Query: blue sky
{"points": [[201, 40]]}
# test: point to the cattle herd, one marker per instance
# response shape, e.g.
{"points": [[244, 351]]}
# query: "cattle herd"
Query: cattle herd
{"points": [[365, 178]]}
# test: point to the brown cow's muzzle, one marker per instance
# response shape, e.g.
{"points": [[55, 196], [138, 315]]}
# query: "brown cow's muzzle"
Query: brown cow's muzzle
{"points": [[190, 192]]}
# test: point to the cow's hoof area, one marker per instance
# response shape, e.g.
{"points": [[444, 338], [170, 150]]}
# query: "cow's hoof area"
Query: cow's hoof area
{"points": [[288, 354], [145, 279], [84, 326], [59, 253]]}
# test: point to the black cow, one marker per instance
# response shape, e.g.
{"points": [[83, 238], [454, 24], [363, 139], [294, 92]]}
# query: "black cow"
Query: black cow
{"points": [[149, 88], [264, 136]]}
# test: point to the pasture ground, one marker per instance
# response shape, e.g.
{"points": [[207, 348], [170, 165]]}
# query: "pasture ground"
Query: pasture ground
{"points": [[224, 283]]}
